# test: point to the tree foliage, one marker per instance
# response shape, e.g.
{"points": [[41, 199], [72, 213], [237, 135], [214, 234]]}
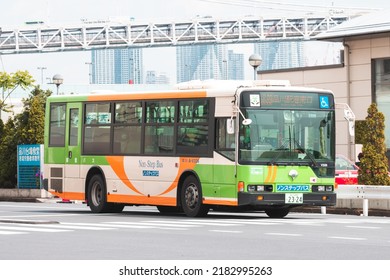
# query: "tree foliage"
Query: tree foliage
{"points": [[8, 145], [25, 128], [9, 83], [31, 122], [374, 164]]}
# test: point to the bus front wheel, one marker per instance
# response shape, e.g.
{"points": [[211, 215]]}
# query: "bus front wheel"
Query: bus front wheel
{"points": [[277, 213], [97, 197], [191, 198]]}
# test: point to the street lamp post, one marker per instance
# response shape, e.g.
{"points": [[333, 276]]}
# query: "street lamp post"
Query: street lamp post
{"points": [[58, 80], [42, 69], [255, 61]]}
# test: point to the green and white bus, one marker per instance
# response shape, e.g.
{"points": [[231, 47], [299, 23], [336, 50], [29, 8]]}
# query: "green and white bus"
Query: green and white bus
{"points": [[245, 145]]}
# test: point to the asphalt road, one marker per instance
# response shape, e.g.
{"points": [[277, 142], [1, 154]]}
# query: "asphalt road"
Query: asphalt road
{"points": [[57, 231]]}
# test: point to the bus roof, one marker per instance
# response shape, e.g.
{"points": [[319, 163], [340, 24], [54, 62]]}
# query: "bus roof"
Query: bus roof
{"points": [[211, 84], [191, 89]]}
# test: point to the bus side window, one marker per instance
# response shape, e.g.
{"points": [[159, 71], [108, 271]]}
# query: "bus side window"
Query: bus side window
{"points": [[57, 125], [225, 141]]}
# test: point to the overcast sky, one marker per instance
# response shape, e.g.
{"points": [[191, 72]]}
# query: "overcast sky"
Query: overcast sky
{"points": [[72, 64]]}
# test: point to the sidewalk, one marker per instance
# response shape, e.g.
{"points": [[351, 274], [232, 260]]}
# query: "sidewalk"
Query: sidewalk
{"points": [[342, 211]]}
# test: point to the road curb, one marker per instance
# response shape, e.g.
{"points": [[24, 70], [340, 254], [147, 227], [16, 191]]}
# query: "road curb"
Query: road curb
{"points": [[342, 211]]}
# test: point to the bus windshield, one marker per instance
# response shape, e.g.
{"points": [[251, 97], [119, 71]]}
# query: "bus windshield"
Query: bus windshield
{"points": [[287, 136]]}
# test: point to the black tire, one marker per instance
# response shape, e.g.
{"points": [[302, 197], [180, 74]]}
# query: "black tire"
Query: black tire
{"points": [[277, 213], [169, 209], [115, 207], [191, 198], [97, 195]]}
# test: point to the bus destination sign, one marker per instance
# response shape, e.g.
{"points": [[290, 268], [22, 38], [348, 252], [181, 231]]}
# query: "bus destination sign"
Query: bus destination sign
{"points": [[277, 99]]}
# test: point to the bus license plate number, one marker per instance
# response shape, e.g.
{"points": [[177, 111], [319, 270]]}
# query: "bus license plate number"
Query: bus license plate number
{"points": [[294, 198]]}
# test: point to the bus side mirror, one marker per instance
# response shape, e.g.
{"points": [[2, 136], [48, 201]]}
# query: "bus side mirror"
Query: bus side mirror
{"points": [[230, 126], [349, 116]]}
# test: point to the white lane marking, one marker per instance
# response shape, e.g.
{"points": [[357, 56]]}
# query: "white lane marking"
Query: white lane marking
{"points": [[11, 232], [39, 216], [195, 222], [24, 228], [363, 227], [152, 224], [112, 225], [283, 234], [168, 228], [261, 223], [348, 238], [226, 231], [74, 227]]}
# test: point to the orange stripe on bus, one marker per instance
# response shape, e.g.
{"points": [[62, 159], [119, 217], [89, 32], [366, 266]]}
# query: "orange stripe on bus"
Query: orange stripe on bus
{"points": [[220, 202], [184, 164], [147, 96], [275, 172], [69, 195], [272, 171], [117, 164], [147, 200], [269, 173]]}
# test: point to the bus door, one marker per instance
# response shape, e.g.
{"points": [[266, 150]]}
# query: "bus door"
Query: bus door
{"points": [[73, 142]]}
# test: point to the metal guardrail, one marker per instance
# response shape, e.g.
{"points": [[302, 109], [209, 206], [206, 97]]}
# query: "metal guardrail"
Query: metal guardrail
{"points": [[363, 192]]}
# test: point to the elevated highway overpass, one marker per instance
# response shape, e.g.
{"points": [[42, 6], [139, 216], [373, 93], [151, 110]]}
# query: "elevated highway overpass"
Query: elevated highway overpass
{"points": [[40, 37]]}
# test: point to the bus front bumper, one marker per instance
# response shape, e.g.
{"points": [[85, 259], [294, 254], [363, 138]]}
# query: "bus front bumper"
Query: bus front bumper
{"points": [[283, 199]]}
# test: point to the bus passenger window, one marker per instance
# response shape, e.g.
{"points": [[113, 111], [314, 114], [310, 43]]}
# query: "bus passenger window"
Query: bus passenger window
{"points": [[57, 125], [97, 129], [159, 139], [127, 139]]}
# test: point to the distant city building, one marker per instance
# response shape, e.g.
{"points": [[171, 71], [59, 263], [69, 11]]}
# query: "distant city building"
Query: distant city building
{"points": [[201, 62], [235, 66], [295, 54], [152, 77], [117, 66], [280, 55]]}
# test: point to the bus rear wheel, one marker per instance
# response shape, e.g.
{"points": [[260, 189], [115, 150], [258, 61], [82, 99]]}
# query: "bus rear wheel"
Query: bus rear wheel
{"points": [[97, 197], [192, 199]]}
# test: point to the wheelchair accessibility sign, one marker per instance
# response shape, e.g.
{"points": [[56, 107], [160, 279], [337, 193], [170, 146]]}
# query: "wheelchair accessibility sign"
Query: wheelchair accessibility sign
{"points": [[324, 102]]}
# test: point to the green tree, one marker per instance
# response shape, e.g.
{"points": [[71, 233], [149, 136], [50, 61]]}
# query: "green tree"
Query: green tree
{"points": [[31, 122], [8, 165], [9, 83], [374, 164], [25, 128]]}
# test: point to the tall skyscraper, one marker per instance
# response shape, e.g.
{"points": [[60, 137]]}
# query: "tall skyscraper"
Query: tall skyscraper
{"points": [[201, 62], [235, 66], [280, 55], [117, 66]]}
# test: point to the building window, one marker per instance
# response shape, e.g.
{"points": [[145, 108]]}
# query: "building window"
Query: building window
{"points": [[381, 91]]}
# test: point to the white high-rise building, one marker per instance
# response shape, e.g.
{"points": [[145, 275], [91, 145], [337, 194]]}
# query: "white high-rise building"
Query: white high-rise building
{"points": [[281, 55], [201, 62], [117, 66]]}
